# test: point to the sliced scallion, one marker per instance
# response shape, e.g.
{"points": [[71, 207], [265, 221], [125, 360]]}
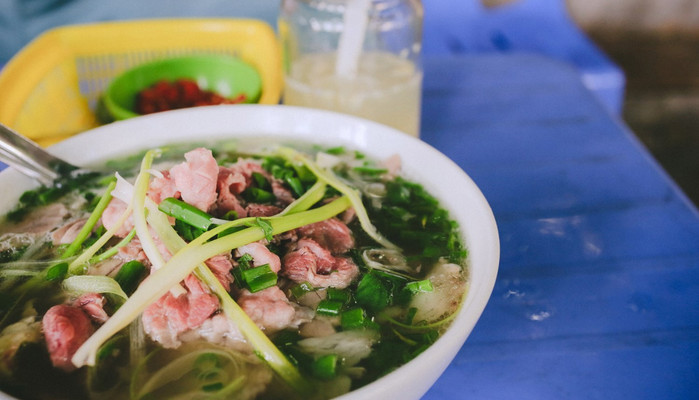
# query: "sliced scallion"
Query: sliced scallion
{"points": [[353, 319], [259, 278], [185, 212], [130, 275], [301, 289], [325, 367], [338, 295], [329, 307], [57, 271], [419, 286]]}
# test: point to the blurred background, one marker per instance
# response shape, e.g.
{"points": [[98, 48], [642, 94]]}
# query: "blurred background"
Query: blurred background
{"points": [[654, 42]]}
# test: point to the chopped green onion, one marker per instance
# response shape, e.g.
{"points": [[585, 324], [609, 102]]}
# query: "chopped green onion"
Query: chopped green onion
{"points": [[187, 231], [336, 150], [230, 215], [295, 184], [412, 311], [212, 387], [338, 295], [130, 275], [253, 278], [259, 278], [301, 289], [245, 261], [185, 212], [325, 367], [257, 195], [370, 170], [50, 195], [372, 293], [12, 254], [353, 319], [260, 181], [419, 286], [57, 271], [207, 361], [30, 197], [329, 307]]}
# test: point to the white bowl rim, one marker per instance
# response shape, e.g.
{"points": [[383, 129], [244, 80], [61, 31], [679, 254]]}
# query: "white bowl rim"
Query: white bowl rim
{"points": [[377, 141]]}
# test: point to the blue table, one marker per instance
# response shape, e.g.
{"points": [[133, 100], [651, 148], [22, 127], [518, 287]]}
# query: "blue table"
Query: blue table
{"points": [[598, 291]]}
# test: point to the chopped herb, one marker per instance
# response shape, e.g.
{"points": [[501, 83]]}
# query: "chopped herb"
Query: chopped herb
{"points": [[231, 215], [212, 387], [329, 307], [353, 319], [325, 367], [44, 195], [370, 170], [130, 275], [12, 254], [253, 278], [338, 295], [257, 195], [413, 219], [258, 278], [336, 150], [301, 289], [260, 181], [264, 225], [186, 213], [57, 271], [412, 311], [373, 293], [187, 231], [295, 184], [419, 286]]}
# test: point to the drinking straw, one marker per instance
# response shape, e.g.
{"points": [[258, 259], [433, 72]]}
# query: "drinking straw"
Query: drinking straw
{"points": [[352, 37]]}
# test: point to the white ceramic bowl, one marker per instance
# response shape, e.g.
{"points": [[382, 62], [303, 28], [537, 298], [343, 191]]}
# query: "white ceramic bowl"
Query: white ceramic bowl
{"points": [[422, 163]]}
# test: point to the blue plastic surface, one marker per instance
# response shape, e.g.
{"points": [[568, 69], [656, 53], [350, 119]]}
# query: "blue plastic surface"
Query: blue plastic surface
{"points": [[533, 26], [598, 291]]}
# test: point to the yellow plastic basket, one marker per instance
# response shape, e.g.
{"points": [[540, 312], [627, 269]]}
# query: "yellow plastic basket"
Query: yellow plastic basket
{"points": [[51, 88]]}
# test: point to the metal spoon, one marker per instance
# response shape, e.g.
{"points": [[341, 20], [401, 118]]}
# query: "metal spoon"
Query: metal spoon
{"points": [[30, 159]]}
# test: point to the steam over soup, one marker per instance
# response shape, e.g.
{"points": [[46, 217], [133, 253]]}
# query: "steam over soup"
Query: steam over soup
{"points": [[250, 272]]}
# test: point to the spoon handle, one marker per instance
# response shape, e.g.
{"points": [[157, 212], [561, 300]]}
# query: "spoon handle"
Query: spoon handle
{"points": [[30, 159]]}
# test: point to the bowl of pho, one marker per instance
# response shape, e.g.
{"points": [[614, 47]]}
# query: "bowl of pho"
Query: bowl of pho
{"points": [[247, 252]]}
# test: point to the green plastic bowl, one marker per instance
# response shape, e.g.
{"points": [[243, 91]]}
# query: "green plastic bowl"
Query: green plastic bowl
{"points": [[225, 75]]}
